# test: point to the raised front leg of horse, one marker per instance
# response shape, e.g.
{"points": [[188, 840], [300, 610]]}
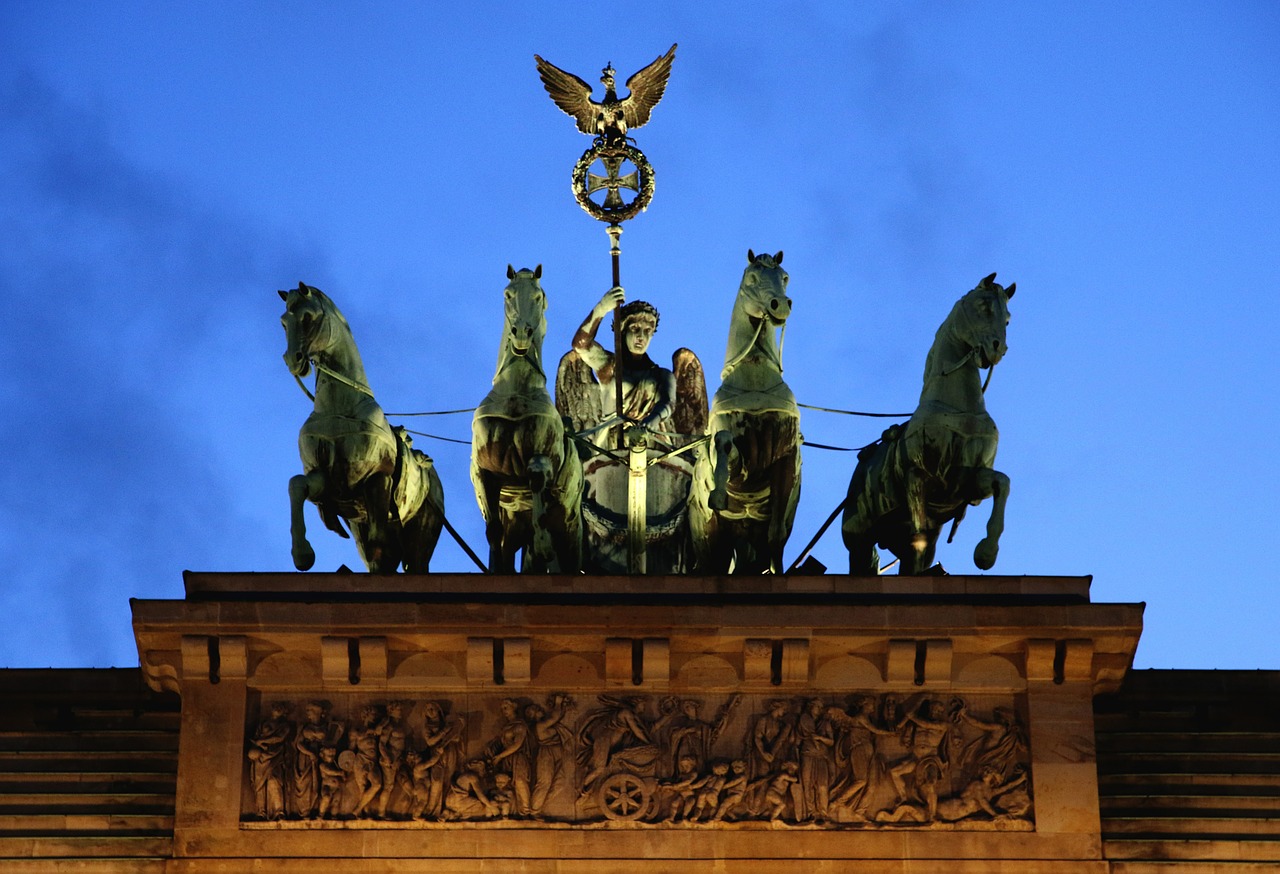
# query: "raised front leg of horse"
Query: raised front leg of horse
{"points": [[995, 485], [302, 488]]}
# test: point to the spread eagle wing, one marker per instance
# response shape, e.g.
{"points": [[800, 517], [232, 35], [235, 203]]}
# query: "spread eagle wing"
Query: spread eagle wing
{"points": [[646, 89], [572, 95], [689, 415], [578, 392]]}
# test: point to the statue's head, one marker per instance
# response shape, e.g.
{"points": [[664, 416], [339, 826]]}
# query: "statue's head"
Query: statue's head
{"points": [[639, 324], [607, 74]]}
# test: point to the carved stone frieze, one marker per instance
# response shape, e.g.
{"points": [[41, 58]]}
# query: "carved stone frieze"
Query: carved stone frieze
{"points": [[873, 761]]}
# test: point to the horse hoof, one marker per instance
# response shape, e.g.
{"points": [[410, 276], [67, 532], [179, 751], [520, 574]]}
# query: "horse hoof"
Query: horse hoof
{"points": [[984, 554], [304, 557], [718, 500]]}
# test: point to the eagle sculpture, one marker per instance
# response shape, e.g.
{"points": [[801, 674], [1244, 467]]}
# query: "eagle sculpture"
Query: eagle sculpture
{"points": [[611, 118]]}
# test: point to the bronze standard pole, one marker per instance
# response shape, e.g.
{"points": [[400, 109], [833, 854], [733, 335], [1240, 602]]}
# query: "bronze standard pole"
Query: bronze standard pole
{"points": [[615, 252]]}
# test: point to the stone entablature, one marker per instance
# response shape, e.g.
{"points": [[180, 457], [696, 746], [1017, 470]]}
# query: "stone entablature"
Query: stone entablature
{"points": [[856, 760], [977, 659]]}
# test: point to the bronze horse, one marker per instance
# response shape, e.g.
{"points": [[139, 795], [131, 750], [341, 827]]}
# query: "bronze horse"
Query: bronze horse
{"points": [[355, 465], [923, 474], [525, 469], [746, 482]]}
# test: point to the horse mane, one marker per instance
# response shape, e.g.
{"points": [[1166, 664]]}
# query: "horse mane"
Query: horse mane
{"points": [[932, 365], [326, 303]]}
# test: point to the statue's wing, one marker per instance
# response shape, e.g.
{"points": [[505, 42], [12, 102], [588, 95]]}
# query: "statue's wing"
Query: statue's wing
{"points": [[577, 392], [690, 413], [646, 89], [571, 94]]}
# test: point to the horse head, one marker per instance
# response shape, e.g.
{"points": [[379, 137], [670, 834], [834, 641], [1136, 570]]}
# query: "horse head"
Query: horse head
{"points": [[308, 328], [979, 319], [762, 305], [525, 308], [763, 292]]}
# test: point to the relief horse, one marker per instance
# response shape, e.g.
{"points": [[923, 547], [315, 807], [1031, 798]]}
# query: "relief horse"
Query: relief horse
{"points": [[355, 465], [524, 466], [923, 474], [746, 482]]}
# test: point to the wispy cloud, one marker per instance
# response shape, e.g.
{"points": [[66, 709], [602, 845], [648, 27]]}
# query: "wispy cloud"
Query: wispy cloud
{"points": [[124, 290]]}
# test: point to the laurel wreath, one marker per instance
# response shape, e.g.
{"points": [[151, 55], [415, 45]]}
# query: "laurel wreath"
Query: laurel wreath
{"points": [[644, 174]]}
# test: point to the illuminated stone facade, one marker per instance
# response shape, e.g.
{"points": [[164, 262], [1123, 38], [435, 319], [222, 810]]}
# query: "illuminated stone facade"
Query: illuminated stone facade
{"points": [[563, 724]]}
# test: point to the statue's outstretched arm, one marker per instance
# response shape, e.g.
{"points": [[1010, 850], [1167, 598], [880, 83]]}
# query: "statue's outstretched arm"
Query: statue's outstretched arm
{"points": [[584, 341]]}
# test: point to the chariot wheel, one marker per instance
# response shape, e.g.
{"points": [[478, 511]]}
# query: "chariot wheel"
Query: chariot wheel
{"points": [[623, 796]]}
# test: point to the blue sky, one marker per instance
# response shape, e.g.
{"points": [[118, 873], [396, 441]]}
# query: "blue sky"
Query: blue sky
{"points": [[164, 168]]}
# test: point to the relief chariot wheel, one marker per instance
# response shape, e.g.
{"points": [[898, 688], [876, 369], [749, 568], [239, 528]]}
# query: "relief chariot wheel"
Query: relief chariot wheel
{"points": [[623, 796], [640, 180]]}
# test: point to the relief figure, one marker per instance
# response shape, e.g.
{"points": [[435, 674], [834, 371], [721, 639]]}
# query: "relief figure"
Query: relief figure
{"points": [[511, 753], [363, 746], [552, 763], [267, 761], [815, 736]]}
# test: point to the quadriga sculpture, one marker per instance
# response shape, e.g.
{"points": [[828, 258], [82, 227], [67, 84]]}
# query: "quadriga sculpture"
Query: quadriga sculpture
{"points": [[355, 465], [747, 482], [525, 469], [923, 474]]}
